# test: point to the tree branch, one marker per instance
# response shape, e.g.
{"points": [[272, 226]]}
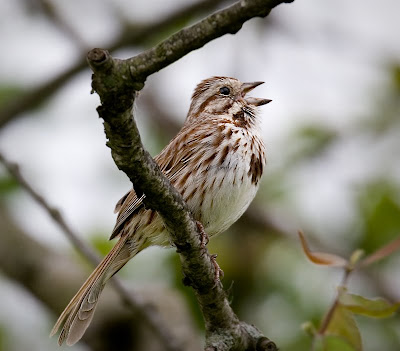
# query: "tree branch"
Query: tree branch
{"points": [[131, 35], [115, 82]]}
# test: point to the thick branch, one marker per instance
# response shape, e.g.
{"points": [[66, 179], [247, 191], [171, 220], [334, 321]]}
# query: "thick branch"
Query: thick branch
{"points": [[130, 156], [113, 81]]}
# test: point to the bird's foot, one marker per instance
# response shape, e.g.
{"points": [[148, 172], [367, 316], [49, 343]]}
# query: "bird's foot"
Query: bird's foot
{"points": [[204, 239], [219, 273]]}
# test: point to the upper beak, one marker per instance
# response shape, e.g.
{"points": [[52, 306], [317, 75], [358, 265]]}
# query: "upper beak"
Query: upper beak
{"points": [[246, 87]]}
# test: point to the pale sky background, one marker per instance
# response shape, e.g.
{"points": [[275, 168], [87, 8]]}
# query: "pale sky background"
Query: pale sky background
{"points": [[324, 62]]}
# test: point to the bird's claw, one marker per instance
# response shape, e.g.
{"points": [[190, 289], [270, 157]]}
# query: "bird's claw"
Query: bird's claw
{"points": [[204, 239], [219, 273]]}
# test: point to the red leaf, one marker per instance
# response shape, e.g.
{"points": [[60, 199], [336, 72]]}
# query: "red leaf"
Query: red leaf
{"points": [[321, 258]]}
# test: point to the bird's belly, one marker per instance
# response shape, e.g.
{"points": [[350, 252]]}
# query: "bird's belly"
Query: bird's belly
{"points": [[223, 197]]}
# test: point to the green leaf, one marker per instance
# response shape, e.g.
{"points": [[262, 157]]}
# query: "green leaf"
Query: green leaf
{"points": [[380, 212], [331, 343], [377, 308], [344, 326]]}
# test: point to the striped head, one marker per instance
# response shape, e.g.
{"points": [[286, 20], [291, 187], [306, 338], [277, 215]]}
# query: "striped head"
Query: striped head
{"points": [[225, 97]]}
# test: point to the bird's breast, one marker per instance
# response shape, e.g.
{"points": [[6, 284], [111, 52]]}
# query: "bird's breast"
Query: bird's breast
{"points": [[225, 179]]}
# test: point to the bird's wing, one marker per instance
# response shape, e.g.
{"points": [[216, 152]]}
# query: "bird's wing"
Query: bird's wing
{"points": [[128, 205], [172, 160]]}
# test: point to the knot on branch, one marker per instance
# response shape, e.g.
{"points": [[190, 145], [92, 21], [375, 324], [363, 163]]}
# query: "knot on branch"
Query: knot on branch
{"points": [[98, 57], [112, 79], [264, 344]]}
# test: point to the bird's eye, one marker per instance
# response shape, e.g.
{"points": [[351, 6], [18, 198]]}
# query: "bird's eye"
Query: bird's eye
{"points": [[224, 91]]}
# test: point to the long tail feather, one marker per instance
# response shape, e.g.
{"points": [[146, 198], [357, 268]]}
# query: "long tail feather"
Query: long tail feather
{"points": [[79, 312]]}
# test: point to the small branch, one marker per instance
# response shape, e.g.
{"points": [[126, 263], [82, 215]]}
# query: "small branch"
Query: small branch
{"points": [[54, 213], [141, 33], [49, 9], [149, 316], [335, 304], [34, 98]]}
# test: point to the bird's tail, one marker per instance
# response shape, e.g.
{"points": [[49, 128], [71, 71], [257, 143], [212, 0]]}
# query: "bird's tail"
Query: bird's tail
{"points": [[79, 312]]}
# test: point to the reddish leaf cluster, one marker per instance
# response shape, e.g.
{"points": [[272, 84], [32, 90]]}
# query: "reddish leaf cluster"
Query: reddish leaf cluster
{"points": [[338, 329]]}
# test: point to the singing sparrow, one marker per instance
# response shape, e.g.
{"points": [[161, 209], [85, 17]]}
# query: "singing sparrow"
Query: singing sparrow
{"points": [[215, 162]]}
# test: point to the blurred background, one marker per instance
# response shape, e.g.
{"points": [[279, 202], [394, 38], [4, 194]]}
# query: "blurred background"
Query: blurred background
{"points": [[332, 69]]}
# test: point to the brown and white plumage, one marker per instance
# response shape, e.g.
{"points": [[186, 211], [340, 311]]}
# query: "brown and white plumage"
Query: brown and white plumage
{"points": [[215, 162]]}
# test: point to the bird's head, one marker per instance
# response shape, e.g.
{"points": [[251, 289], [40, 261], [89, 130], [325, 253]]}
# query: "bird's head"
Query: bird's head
{"points": [[225, 97]]}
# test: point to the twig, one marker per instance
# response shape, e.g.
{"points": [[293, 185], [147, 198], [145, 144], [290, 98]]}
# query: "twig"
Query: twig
{"points": [[49, 9], [151, 317], [54, 213], [335, 304]]}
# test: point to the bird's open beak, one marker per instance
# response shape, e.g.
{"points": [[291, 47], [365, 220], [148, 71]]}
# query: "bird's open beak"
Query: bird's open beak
{"points": [[247, 87]]}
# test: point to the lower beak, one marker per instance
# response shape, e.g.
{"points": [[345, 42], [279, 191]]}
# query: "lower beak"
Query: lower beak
{"points": [[257, 101]]}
